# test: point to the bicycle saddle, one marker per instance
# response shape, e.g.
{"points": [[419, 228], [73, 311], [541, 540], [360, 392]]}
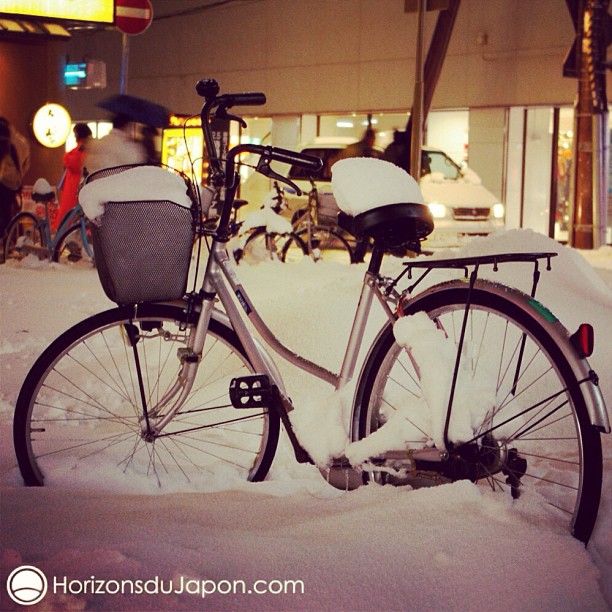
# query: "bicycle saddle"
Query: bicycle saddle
{"points": [[391, 226]]}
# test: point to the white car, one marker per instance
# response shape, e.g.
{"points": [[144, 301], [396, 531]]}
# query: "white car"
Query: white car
{"points": [[461, 206]]}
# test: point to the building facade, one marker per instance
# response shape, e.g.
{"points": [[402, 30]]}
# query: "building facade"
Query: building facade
{"points": [[501, 101]]}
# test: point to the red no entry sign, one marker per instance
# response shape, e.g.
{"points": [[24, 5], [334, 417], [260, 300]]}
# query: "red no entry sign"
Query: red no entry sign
{"points": [[133, 16]]}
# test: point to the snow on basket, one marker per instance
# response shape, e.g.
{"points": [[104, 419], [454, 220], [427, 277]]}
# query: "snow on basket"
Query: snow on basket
{"points": [[143, 231], [363, 183], [131, 183]]}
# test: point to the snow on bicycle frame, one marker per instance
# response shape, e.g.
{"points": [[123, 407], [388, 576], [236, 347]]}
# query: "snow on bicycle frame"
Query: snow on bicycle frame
{"points": [[143, 227]]}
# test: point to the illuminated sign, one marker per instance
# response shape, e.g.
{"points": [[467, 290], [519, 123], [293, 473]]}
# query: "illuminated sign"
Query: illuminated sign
{"points": [[75, 74], [99, 11], [90, 74], [51, 125]]}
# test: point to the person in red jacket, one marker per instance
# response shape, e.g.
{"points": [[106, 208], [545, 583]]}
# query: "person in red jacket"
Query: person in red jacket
{"points": [[73, 163]]}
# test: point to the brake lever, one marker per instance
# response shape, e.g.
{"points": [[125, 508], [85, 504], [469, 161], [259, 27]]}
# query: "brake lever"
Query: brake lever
{"points": [[221, 113], [263, 167]]}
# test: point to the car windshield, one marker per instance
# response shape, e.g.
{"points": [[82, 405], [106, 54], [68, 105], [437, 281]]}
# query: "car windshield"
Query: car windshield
{"points": [[327, 155], [436, 161], [431, 161]]}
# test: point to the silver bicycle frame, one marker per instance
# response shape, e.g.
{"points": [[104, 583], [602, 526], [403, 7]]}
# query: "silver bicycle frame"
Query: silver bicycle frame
{"points": [[220, 280]]}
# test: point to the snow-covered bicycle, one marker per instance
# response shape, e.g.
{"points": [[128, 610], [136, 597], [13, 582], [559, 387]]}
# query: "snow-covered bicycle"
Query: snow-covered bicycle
{"points": [[265, 235], [29, 233], [468, 379]]}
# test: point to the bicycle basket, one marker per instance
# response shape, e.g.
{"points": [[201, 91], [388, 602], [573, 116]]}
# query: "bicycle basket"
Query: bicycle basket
{"points": [[143, 249], [328, 209]]}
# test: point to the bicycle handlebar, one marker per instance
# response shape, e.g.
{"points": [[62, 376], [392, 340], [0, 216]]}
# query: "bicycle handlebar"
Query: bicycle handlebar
{"points": [[209, 89], [284, 156], [242, 99]]}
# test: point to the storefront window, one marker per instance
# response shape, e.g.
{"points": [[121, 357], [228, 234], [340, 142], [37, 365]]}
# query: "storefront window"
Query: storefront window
{"points": [[564, 173]]}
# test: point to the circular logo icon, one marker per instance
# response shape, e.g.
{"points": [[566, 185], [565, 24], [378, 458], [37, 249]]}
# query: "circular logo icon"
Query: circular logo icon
{"points": [[26, 585]]}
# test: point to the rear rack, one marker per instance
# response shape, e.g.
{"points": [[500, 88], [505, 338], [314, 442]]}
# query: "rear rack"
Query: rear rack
{"points": [[479, 260]]}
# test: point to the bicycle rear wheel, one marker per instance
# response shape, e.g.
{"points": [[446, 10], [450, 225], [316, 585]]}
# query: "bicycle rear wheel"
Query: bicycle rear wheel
{"points": [[519, 424], [74, 245], [22, 236], [79, 418]]}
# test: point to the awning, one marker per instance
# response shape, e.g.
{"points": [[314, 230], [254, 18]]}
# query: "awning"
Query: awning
{"points": [[32, 28]]}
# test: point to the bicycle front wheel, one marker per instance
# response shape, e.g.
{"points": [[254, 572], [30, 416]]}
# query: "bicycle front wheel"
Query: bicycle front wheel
{"points": [[79, 419], [519, 422], [269, 246], [23, 236], [74, 245]]}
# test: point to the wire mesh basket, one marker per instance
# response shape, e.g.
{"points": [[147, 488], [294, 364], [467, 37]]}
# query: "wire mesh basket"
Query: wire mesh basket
{"points": [[327, 211], [143, 249]]}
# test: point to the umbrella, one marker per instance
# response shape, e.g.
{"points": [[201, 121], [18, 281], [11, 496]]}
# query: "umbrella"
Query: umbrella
{"points": [[137, 109]]}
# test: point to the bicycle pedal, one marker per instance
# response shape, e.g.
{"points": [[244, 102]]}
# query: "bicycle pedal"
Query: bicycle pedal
{"points": [[251, 391]]}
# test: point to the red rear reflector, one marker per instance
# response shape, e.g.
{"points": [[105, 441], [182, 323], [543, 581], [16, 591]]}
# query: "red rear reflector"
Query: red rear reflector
{"points": [[584, 340]]}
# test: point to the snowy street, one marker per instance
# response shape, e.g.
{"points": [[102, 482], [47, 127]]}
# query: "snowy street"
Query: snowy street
{"points": [[293, 541]]}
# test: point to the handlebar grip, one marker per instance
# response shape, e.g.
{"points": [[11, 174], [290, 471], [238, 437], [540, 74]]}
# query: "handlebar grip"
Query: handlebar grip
{"points": [[285, 156], [242, 99]]}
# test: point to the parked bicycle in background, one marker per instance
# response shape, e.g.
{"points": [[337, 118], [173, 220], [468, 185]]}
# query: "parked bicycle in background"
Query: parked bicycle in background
{"points": [[316, 227], [30, 233], [265, 235]]}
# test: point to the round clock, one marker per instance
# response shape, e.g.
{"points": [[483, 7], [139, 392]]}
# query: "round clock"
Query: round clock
{"points": [[51, 125]]}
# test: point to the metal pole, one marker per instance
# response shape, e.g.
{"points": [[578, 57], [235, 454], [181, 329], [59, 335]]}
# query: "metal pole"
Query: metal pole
{"points": [[125, 56], [417, 106]]}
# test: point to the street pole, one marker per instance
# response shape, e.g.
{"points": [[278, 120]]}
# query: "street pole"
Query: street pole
{"points": [[125, 56], [591, 155], [416, 135]]}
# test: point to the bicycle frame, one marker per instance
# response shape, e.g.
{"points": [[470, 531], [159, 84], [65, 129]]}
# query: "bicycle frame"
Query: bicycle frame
{"points": [[71, 218], [220, 280]]}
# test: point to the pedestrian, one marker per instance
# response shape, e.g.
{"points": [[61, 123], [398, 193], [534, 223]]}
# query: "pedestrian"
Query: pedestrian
{"points": [[73, 173], [149, 141], [10, 177], [362, 148], [117, 148], [398, 151], [21, 144]]}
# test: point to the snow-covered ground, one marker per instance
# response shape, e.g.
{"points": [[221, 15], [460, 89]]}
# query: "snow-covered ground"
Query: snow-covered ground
{"points": [[453, 547]]}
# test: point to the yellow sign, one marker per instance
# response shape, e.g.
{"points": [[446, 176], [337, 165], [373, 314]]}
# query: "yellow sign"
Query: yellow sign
{"points": [[51, 125], [100, 11]]}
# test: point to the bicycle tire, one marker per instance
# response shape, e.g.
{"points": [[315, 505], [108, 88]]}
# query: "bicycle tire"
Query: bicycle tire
{"points": [[323, 244], [23, 226], [78, 418], [70, 248], [554, 436], [262, 245]]}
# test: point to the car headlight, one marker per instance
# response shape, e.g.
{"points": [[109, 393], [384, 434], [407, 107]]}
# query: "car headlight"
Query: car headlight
{"points": [[438, 210], [498, 210]]}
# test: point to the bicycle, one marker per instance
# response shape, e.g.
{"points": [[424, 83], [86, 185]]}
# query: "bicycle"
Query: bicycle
{"points": [[266, 235], [315, 227], [178, 389], [29, 233]]}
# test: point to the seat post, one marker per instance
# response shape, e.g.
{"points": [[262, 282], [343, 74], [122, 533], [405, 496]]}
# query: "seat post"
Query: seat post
{"points": [[376, 258]]}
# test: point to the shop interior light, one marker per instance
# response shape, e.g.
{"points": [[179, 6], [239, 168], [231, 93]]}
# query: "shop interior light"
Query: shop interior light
{"points": [[344, 124]]}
